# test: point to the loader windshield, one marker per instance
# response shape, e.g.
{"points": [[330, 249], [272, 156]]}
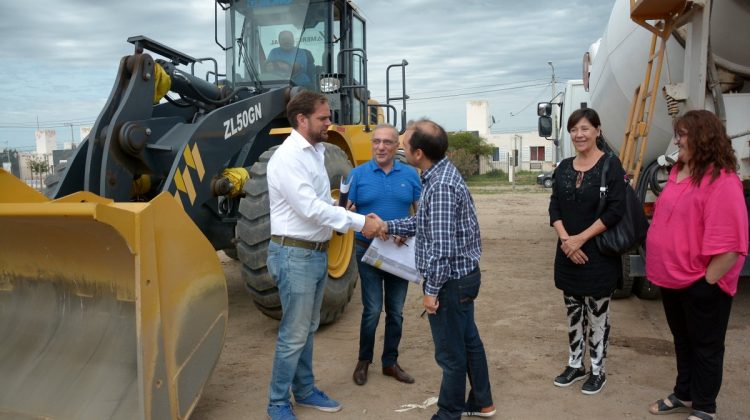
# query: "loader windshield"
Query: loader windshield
{"points": [[277, 41]]}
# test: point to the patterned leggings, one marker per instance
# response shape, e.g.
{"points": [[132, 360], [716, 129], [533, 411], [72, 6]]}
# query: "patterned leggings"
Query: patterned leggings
{"points": [[582, 312]]}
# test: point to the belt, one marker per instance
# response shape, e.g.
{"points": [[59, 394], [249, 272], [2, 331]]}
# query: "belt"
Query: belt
{"points": [[300, 243]]}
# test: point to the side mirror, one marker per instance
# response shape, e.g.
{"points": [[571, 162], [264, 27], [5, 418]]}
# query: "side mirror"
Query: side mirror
{"points": [[544, 109], [545, 126]]}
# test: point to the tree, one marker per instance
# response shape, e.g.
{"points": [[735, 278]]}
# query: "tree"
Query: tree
{"points": [[466, 163], [469, 142], [38, 166], [464, 150]]}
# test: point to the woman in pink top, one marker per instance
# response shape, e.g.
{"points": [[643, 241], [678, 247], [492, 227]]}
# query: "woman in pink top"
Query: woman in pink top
{"points": [[695, 249]]}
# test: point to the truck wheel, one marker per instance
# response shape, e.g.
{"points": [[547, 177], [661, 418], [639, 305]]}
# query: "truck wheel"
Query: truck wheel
{"points": [[627, 281], [646, 290], [254, 233]]}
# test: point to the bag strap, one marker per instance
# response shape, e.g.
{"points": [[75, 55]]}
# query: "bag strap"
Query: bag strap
{"points": [[603, 187]]}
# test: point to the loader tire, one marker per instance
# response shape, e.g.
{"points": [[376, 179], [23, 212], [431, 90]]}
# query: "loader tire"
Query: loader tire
{"points": [[254, 233]]}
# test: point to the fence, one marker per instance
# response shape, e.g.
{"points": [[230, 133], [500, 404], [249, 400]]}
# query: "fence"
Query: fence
{"points": [[486, 164]]}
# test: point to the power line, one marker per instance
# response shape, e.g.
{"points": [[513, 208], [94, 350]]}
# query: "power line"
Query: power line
{"points": [[541, 92], [478, 86], [47, 125], [478, 92]]}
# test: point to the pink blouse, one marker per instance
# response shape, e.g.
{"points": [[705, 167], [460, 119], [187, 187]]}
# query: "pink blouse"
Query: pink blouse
{"points": [[690, 225]]}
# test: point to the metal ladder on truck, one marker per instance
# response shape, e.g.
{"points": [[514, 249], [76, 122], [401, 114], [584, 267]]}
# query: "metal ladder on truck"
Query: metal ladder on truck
{"points": [[666, 15], [661, 18]]}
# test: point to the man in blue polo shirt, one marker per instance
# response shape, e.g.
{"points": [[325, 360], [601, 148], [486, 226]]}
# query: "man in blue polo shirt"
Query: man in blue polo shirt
{"points": [[387, 188]]}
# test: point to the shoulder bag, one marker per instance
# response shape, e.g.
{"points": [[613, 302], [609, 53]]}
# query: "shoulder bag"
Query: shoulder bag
{"points": [[630, 231]]}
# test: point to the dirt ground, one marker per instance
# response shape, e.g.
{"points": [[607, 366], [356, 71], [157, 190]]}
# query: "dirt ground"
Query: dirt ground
{"points": [[521, 318]]}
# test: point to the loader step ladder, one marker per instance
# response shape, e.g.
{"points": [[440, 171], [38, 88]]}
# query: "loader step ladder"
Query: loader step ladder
{"points": [[665, 13]]}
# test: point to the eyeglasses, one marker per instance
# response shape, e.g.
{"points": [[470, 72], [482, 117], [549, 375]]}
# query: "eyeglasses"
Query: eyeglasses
{"points": [[680, 134], [388, 143]]}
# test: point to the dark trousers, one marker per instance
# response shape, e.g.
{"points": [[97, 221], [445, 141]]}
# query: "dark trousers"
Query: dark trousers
{"points": [[459, 350], [379, 287], [698, 316]]}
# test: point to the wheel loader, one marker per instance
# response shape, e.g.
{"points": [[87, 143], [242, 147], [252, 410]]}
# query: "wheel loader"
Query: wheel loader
{"points": [[113, 303]]}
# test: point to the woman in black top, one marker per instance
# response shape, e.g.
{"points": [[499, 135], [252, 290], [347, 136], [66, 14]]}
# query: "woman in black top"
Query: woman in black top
{"points": [[586, 277]]}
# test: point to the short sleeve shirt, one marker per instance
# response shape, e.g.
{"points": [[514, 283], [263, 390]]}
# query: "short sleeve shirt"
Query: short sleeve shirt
{"points": [[388, 195], [693, 223]]}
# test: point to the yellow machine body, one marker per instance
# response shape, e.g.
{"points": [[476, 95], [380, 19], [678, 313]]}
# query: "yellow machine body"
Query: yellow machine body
{"points": [[107, 310]]}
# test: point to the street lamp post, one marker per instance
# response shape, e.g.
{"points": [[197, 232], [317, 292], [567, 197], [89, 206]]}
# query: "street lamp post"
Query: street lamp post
{"points": [[553, 78], [558, 152]]}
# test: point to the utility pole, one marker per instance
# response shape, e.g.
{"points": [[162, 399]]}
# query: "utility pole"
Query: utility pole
{"points": [[553, 79], [558, 151]]}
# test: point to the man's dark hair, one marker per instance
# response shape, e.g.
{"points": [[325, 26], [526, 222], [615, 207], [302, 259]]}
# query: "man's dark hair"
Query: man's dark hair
{"points": [[303, 103], [430, 138]]}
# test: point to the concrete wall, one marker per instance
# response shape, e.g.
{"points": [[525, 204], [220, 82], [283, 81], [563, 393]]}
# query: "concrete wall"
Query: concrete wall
{"points": [[478, 117], [46, 141]]}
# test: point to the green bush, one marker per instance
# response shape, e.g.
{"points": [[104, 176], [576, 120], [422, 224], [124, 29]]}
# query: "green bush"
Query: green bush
{"points": [[465, 162]]}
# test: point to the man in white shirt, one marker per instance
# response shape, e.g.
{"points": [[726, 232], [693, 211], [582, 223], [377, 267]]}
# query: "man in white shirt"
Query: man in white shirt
{"points": [[303, 217]]}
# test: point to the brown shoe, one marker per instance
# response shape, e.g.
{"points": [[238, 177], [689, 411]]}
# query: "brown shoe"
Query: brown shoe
{"points": [[398, 373], [360, 372]]}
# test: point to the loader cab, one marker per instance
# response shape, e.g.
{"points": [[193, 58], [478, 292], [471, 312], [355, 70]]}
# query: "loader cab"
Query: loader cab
{"points": [[316, 45]]}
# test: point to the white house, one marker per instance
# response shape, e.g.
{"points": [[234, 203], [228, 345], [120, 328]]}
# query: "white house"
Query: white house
{"points": [[534, 153]]}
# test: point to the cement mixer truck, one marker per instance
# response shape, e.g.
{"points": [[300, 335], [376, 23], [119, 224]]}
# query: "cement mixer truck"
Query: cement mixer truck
{"points": [[656, 60]]}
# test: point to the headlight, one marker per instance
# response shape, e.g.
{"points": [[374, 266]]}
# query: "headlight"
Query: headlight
{"points": [[330, 84]]}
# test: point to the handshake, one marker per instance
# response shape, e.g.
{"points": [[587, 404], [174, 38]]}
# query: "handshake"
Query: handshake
{"points": [[375, 226]]}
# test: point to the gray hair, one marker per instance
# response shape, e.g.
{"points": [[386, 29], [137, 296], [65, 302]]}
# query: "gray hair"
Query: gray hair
{"points": [[386, 126]]}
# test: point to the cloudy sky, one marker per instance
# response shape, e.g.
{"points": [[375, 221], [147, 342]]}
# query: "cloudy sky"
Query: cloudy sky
{"points": [[58, 59]]}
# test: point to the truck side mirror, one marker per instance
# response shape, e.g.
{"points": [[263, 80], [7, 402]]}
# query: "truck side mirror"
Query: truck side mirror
{"points": [[544, 109], [545, 126]]}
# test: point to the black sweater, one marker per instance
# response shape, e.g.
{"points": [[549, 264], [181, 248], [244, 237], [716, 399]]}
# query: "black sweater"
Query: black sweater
{"points": [[577, 208]]}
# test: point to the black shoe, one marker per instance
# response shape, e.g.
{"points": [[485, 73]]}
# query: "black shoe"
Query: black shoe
{"points": [[594, 384], [570, 375]]}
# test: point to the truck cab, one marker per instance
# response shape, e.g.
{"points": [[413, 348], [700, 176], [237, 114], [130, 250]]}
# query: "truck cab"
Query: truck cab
{"points": [[553, 116]]}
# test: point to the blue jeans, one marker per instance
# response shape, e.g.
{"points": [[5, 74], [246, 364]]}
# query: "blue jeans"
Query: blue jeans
{"points": [[300, 275], [459, 350], [374, 284]]}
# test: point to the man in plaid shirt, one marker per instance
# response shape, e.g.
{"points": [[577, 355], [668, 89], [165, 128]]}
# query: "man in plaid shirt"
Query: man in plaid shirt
{"points": [[448, 247]]}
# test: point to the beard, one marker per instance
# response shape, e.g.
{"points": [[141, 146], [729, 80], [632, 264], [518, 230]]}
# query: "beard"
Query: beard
{"points": [[319, 137]]}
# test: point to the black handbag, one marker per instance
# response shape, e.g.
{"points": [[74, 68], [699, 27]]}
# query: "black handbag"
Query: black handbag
{"points": [[631, 230]]}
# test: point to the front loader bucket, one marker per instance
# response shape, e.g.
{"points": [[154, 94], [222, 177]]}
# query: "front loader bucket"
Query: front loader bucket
{"points": [[107, 310]]}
